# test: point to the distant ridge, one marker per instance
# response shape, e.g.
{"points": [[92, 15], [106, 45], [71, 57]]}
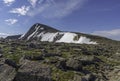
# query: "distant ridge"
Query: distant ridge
{"points": [[13, 37]]}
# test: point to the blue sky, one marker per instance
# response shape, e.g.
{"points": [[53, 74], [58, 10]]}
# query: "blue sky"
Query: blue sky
{"points": [[99, 17]]}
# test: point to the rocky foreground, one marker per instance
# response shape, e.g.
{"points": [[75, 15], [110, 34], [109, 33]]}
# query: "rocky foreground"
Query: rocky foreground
{"points": [[43, 61]]}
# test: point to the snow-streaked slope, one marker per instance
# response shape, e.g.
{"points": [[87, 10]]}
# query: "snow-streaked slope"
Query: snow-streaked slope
{"points": [[34, 33], [45, 33], [66, 38], [21, 36]]}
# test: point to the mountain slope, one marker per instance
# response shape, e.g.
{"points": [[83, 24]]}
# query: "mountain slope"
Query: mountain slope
{"points": [[37, 29], [42, 32]]}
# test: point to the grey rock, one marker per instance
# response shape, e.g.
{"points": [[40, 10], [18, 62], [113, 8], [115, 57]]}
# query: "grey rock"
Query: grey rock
{"points": [[2, 60], [7, 73], [77, 78], [33, 71], [61, 64], [89, 77], [73, 64]]}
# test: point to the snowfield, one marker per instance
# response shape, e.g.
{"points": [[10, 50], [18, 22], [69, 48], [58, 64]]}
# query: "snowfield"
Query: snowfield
{"points": [[66, 38], [48, 37]]}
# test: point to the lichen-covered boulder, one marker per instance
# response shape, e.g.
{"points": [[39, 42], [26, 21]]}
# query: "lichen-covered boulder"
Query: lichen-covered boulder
{"points": [[73, 64], [33, 71], [7, 73]]}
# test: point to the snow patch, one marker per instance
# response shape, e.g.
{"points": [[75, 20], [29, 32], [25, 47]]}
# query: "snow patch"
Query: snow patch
{"points": [[85, 40], [67, 38], [47, 36], [21, 36], [41, 28]]}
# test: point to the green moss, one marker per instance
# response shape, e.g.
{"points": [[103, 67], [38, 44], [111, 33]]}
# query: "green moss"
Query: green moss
{"points": [[109, 61], [59, 75]]}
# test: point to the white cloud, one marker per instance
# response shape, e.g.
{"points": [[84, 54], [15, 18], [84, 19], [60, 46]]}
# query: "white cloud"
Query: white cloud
{"points": [[20, 11], [11, 21], [113, 34], [4, 34], [56, 9], [33, 2], [8, 2], [38, 10]]}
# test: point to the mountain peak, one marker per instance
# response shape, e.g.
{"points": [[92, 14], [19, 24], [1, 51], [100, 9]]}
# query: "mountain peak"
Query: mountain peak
{"points": [[42, 27], [37, 29], [41, 32]]}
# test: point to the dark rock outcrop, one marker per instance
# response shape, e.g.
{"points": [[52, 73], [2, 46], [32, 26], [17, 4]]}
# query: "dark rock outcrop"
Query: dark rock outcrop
{"points": [[1, 55], [61, 64], [89, 77], [11, 63]]}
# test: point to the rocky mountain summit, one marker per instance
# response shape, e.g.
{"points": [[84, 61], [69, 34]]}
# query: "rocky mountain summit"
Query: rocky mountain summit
{"points": [[42, 32], [47, 54]]}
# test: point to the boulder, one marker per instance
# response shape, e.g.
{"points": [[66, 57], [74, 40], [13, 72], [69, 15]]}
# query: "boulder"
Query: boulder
{"points": [[11, 63], [73, 64], [33, 71], [2, 60], [1, 55], [88, 60], [61, 64], [32, 45], [89, 77], [77, 78], [7, 73]]}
